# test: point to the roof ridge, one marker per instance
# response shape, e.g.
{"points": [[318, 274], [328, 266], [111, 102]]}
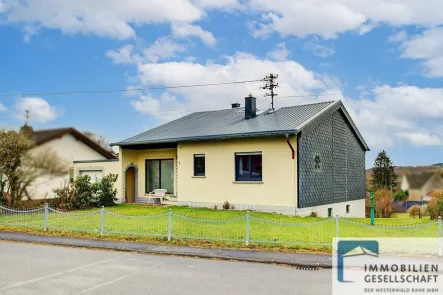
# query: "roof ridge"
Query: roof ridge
{"points": [[54, 129], [309, 104]]}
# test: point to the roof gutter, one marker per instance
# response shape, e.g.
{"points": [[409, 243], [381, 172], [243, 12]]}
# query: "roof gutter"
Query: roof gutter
{"points": [[211, 137]]}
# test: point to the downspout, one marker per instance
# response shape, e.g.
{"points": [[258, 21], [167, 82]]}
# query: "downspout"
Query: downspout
{"points": [[292, 173]]}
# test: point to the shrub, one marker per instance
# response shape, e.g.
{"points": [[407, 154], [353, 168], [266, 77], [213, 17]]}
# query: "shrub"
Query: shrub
{"points": [[82, 194], [424, 210], [226, 205], [415, 211], [407, 193], [104, 191], [314, 214], [435, 205], [400, 196], [383, 203]]}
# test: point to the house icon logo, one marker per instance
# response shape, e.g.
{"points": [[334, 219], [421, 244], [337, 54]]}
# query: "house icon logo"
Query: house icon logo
{"points": [[353, 248]]}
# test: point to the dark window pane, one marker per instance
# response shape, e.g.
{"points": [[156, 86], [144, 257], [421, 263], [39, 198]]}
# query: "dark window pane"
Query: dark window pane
{"points": [[199, 165], [160, 174], [256, 167], [248, 167], [152, 175], [243, 171], [167, 175]]}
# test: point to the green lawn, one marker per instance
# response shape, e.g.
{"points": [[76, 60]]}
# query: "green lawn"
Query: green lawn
{"points": [[212, 225]]}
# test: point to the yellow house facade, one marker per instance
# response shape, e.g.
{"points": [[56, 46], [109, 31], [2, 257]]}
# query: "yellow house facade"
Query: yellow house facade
{"points": [[295, 160]]}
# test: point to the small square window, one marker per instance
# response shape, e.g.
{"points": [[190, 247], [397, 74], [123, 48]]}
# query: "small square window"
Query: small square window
{"points": [[248, 167], [199, 165], [329, 212], [348, 209]]}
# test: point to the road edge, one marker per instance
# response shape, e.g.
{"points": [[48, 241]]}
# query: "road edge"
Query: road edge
{"points": [[301, 261]]}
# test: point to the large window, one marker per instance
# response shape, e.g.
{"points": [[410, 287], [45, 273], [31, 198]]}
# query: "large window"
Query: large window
{"points": [[199, 165], [248, 167], [160, 175]]}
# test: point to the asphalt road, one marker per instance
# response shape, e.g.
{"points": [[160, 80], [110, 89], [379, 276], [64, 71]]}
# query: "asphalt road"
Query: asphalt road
{"points": [[38, 269]]}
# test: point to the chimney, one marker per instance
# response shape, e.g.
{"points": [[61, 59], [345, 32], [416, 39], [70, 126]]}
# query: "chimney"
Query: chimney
{"points": [[250, 107], [235, 105]]}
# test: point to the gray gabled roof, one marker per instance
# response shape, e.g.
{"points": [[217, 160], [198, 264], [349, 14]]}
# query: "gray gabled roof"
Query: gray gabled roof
{"points": [[231, 123]]}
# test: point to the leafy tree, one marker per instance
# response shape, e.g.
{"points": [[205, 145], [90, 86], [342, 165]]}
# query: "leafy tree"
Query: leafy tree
{"points": [[400, 196], [20, 166], [383, 172]]}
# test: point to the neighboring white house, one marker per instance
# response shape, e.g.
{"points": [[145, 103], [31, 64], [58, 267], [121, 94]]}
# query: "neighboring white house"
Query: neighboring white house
{"points": [[70, 145], [420, 185]]}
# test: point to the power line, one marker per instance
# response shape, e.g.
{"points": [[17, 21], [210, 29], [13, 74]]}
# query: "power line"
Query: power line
{"points": [[127, 90]]}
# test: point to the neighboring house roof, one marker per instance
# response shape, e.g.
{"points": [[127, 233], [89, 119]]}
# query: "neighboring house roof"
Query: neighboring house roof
{"points": [[417, 181], [231, 123], [43, 136]]}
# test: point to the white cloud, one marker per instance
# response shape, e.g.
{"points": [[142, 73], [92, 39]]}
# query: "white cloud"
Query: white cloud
{"points": [[328, 18], [317, 48], [280, 52], [2, 6], [108, 18], [123, 55], [398, 37], [225, 4], [40, 110], [2, 108], [163, 48], [166, 107], [404, 115], [427, 47], [29, 31], [184, 30], [294, 79]]}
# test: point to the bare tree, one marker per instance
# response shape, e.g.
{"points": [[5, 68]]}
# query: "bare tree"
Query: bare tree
{"points": [[20, 166], [99, 139]]}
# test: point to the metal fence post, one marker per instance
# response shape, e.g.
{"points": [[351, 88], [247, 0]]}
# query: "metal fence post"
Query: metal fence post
{"points": [[46, 217], [440, 237], [247, 228], [337, 229], [102, 226], [170, 225]]}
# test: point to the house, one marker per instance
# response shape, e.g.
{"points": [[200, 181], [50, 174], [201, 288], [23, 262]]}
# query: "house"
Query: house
{"points": [[70, 145], [291, 160], [420, 185]]}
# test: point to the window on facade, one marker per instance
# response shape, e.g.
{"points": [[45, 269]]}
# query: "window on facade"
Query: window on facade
{"points": [[348, 209], [248, 167], [71, 175], [317, 163], [199, 165], [329, 212], [160, 175]]}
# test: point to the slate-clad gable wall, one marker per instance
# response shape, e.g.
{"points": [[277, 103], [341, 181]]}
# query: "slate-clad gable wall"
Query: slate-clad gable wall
{"points": [[331, 163]]}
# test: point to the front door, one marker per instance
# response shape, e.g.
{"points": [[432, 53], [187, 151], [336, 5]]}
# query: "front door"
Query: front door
{"points": [[130, 185], [160, 175]]}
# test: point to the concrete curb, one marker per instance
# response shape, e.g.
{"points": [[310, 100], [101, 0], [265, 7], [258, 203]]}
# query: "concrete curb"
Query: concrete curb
{"points": [[306, 261]]}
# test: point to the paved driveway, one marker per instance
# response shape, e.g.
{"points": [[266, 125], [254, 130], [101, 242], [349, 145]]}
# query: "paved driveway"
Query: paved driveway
{"points": [[37, 269]]}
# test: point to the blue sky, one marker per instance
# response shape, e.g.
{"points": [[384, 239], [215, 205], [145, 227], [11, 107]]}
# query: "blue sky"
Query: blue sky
{"points": [[384, 59]]}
